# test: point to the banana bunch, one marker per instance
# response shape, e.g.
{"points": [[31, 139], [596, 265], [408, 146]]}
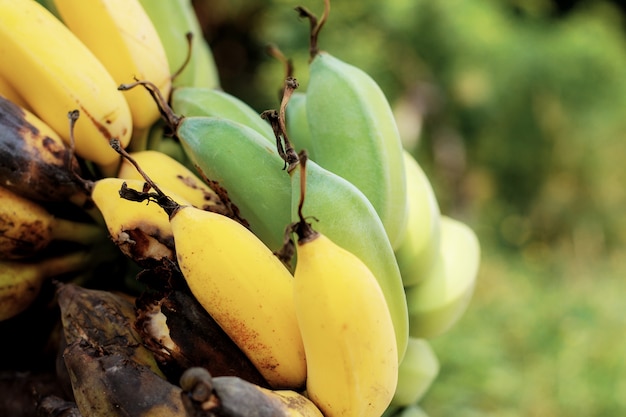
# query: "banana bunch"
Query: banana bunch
{"points": [[292, 262]]}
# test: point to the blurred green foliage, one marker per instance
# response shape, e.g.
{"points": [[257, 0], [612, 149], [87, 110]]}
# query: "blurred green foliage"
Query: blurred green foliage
{"points": [[516, 113], [521, 125]]}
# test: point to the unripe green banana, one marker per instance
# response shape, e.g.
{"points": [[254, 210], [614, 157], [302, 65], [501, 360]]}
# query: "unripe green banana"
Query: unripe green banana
{"points": [[418, 248], [195, 101], [246, 164], [354, 134], [297, 123], [173, 19], [437, 303], [416, 373]]}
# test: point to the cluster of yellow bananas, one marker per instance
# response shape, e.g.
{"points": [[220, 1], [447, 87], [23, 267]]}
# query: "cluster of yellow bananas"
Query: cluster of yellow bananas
{"points": [[103, 135]]}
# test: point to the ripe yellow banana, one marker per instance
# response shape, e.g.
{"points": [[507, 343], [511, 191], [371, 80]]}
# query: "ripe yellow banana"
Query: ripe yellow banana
{"points": [[243, 286], [438, 302], [418, 249], [142, 232], [246, 289], [347, 330], [26, 227], [168, 173], [34, 160], [20, 282], [121, 35], [56, 73], [7, 91], [417, 371]]}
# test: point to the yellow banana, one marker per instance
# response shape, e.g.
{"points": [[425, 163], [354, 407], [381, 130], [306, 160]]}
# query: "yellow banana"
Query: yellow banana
{"points": [[26, 227], [419, 247], [246, 289], [20, 282], [236, 397], [121, 35], [7, 91], [437, 302], [56, 73], [142, 232], [168, 173], [418, 370], [243, 286], [347, 330]]}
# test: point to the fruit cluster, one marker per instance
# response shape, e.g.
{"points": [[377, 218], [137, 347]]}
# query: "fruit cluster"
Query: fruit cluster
{"points": [[293, 262]]}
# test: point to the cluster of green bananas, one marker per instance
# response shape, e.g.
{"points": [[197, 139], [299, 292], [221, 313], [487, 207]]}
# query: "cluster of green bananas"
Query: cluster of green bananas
{"points": [[293, 262]]}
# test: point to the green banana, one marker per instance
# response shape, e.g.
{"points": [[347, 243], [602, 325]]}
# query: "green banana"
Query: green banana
{"points": [[297, 123], [196, 101], [354, 133], [437, 303], [247, 165], [173, 19], [418, 249], [416, 373]]}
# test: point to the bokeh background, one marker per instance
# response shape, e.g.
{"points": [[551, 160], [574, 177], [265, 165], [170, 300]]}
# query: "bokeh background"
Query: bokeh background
{"points": [[516, 110]]}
